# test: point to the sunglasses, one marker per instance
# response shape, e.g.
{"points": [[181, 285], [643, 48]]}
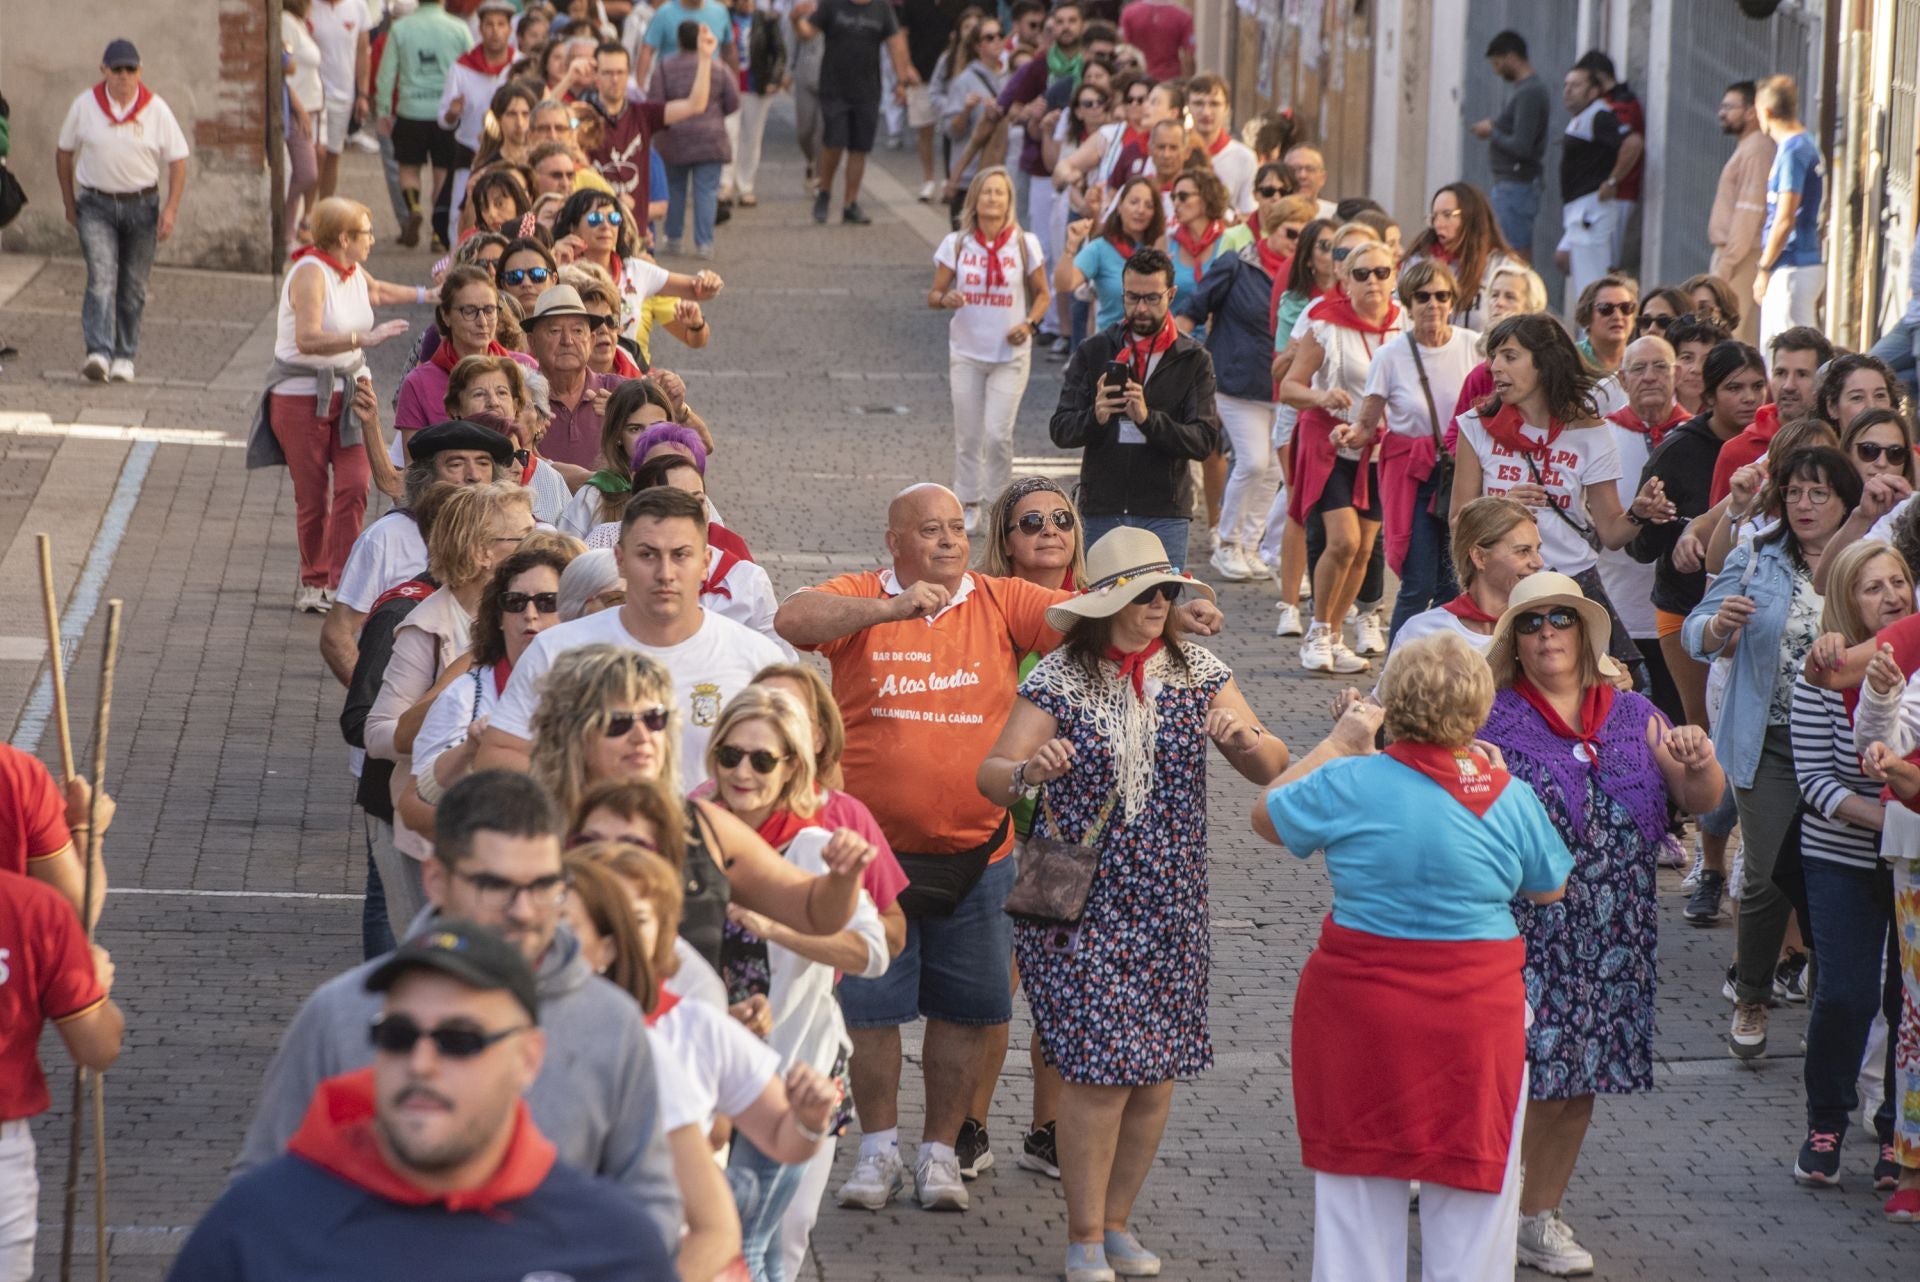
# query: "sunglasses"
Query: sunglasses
{"points": [[1561, 617], [620, 724], [517, 602], [1180, 196], [1168, 592], [123, 71], [1613, 309], [1649, 321], [1034, 522], [398, 1035], [1290, 233], [1269, 193], [1869, 451], [1371, 273], [521, 275], [1433, 296], [991, 35], [1090, 104], [1137, 99], [610, 217], [764, 762]]}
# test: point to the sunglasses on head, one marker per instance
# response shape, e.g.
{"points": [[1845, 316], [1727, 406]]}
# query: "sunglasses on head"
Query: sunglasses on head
{"points": [[1371, 273], [1869, 451], [1433, 296], [620, 724], [1613, 309], [1562, 617], [1168, 592], [1650, 321], [1270, 193], [521, 275], [517, 602], [611, 217], [399, 1034], [763, 762], [1034, 522]]}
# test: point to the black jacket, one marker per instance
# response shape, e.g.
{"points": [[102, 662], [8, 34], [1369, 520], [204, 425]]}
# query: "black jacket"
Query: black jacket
{"points": [[766, 52], [369, 673], [1150, 479], [1684, 463]]}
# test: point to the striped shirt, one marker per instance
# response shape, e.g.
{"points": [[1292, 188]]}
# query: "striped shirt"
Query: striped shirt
{"points": [[1828, 770]]}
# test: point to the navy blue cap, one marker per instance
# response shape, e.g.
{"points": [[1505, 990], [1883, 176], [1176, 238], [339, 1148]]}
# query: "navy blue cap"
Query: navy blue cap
{"points": [[121, 53]]}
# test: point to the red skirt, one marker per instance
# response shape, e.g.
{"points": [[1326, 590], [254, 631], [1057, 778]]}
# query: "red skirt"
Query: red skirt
{"points": [[1408, 1057], [1314, 455]]}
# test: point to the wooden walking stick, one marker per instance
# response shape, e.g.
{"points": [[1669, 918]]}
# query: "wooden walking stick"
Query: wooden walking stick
{"points": [[54, 662]]}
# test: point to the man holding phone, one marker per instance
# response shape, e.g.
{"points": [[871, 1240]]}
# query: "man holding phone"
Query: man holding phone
{"points": [[1138, 399]]}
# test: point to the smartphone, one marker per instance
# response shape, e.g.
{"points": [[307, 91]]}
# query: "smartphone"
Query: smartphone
{"points": [[1117, 375]]}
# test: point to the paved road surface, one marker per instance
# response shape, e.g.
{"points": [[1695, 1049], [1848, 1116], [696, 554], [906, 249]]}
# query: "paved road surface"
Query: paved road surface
{"points": [[236, 880]]}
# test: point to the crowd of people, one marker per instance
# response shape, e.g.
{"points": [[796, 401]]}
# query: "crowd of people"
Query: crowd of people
{"points": [[649, 898]]}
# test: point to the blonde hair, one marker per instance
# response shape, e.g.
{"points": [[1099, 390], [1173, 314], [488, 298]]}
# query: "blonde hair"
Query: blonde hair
{"points": [[826, 716], [1481, 524], [994, 559], [1361, 230], [1436, 690], [576, 697], [1358, 254], [558, 541], [969, 214], [1289, 209], [1839, 613], [334, 219], [461, 533], [783, 712]]}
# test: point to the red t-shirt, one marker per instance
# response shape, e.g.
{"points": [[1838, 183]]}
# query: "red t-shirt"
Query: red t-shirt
{"points": [[1750, 446], [33, 813], [1160, 30], [1632, 115], [46, 973], [623, 156]]}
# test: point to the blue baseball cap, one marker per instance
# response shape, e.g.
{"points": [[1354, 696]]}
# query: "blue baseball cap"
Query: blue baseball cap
{"points": [[121, 53]]}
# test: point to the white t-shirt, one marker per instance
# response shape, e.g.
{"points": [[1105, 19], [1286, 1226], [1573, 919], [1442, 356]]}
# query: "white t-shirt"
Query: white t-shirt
{"points": [[387, 554], [336, 27], [120, 158], [444, 728], [1439, 619], [978, 331], [582, 513], [639, 281], [1629, 584], [305, 78], [1235, 166], [1346, 362], [695, 978], [549, 490], [680, 1102], [708, 668], [346, 309], [724, 1066], [1394, 376], [1883, 528], [1581, 457]]}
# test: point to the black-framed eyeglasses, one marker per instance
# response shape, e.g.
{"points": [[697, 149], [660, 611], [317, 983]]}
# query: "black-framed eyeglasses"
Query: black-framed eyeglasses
{"points": [[521, 275], [471, 312], [1870, 451], [1562, 617], [1168, 592], [398, 1034], [1650, 321], [497, 893], [618, 725], [1269, 193], [763, 762], [1034, 522], [1613, 309], [611, 217], [1141, 300], [517, 602], [1371, 273], [1433, 296]]}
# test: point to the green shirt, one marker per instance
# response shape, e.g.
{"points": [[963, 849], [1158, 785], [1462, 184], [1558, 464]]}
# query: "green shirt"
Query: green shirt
{"points": [[421, 49]]}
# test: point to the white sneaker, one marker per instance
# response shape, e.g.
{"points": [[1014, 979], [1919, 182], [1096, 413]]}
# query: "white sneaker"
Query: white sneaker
{"points": [[1231, 564], [1289, 621], [1368, 636], [1546, 1244], [121, 371], [876, 1178], [96, 367], [309, 600], [361, 140], [937, 1184], [1345, 661], [1316, 652], [928, 190]]}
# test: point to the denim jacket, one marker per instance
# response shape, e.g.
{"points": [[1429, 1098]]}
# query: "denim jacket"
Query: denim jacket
{"points": [[1741, 728]]}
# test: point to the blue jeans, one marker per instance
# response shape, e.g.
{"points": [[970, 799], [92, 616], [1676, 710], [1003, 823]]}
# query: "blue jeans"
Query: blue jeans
{"points": [[117, 237], [762, 1206], [376, 932], [705, 177], [1852, 918], [956, 969], [1899, 347], [1515, 206], [1172, 532], [390, 170], [1426, 576]]}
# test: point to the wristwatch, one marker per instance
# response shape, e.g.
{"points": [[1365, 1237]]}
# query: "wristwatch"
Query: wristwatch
{"points": [[1021, 788]]}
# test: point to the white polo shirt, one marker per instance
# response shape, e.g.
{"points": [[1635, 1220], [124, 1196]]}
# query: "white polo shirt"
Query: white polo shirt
{"points": [[336, 27], [120, 158]]}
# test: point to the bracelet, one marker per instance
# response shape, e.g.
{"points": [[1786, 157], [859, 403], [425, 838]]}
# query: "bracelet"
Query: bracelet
{"points": [[419, 295], [1021, 788], [811, 1137], [356, 340]]}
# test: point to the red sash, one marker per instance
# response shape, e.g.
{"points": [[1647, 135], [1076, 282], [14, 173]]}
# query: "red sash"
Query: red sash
{"points": [[141, 98], [1468, 777], [1465, 607]]}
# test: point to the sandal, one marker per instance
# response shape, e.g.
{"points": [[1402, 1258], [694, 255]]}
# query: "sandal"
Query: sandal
{"points": [[749, 201]]}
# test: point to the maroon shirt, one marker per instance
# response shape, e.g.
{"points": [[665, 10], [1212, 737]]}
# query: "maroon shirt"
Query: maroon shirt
{"points": [[575, 435], [623, 154]]}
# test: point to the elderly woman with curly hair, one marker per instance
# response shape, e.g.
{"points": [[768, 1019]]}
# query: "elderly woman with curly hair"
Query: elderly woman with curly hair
{"points": [[1409, 1029]]}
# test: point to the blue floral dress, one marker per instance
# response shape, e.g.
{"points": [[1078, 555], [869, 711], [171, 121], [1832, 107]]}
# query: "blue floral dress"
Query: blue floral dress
{"points": [[1122, 1000]]}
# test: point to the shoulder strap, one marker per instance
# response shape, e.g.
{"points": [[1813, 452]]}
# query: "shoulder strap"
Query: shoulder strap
{"points": [[1092, 833], [1426, 389]]}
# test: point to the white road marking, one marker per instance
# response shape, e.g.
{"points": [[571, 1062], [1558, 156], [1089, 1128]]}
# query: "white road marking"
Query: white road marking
{"points": [[42, 425], [232, 894]]}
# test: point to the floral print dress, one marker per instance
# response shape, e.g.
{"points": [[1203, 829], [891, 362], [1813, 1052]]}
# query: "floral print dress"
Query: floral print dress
{"points": [[1122, 999]]}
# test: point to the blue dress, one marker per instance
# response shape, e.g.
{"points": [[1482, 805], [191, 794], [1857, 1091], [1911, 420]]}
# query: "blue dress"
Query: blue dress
{"points": [[1125, 1003]]}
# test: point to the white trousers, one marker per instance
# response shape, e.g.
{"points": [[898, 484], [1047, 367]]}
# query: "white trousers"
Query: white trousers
{"points": [[1587, 231], [1360, 1226], [796, 1226], [1282, 436], [1793, 298], [745, 130], [1040, 203], [986, 398], [1255, 478], [19, 1201]]}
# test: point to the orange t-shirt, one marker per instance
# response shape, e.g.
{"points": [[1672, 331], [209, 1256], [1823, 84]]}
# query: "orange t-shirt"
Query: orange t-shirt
{"points": [[924, 701]]}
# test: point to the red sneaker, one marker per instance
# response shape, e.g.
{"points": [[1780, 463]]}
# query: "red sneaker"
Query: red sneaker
{"points": [[1904, 1206]]}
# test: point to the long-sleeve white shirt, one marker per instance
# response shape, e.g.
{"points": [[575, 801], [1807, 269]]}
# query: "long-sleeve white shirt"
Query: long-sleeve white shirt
{"points": [[1892, 719], [807, 1026]]}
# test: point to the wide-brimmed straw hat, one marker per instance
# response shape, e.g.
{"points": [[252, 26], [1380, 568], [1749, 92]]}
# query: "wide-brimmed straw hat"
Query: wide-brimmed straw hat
{"points": [[1122, 565], [1536, 594]]}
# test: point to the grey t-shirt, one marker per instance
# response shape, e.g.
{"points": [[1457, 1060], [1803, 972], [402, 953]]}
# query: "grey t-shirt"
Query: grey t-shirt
{"points": [[1519, 139]]}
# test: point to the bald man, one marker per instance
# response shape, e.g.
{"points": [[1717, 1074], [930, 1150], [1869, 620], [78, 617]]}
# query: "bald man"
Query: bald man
{"points": [[926, 659], [1309, 169]]}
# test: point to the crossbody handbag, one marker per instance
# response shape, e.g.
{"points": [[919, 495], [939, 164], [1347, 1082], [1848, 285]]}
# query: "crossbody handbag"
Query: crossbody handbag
{"points": [[1055, 877], [1588, 535], [1440, 506]]}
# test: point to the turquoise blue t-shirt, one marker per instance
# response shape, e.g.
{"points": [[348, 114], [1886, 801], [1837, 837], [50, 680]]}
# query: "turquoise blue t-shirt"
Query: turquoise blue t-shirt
{"points": [[663, 33], [1101, 264], [1407, 861], [1797, 168]]}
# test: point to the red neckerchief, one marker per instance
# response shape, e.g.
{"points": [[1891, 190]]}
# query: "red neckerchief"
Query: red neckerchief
{"points": [[501, 671], [781, 827], [344, 271], [475, 59], [716, 585], [1197, 247], [1133, 666], [667, 1002], [1464, 607], [337, 1135], [141, 98], [1468, 777], [1766, 421], [1219, 144], [996, 274], [533, 465], [1124, 248], [1279, 266], [1140, 352], [445, 357], [623, 364], [1595, 704], [1654, 432], [618, 270], [1504, 427], [721, 537], [1336, 308]]}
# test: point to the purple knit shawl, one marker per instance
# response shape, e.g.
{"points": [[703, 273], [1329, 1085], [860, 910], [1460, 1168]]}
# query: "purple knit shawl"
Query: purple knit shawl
{"points": [[1627, 771]]}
